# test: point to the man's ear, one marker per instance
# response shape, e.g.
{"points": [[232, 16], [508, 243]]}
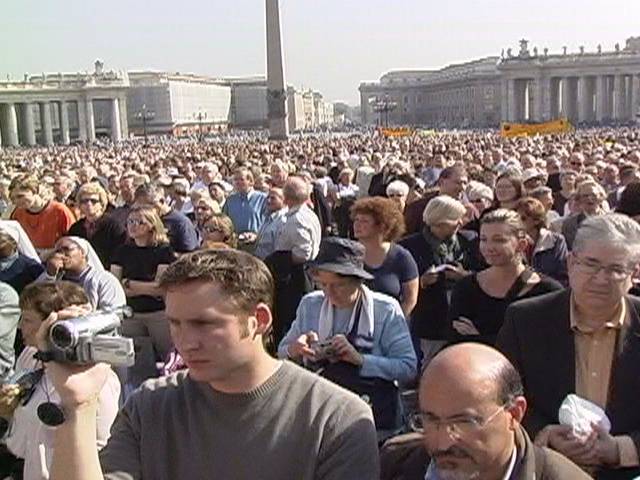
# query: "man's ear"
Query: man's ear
{"points": [[264, 319], [517, 408]]}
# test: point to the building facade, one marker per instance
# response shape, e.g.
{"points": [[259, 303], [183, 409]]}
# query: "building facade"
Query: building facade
{"points": [[531, 86], [61, 108], [177, 104], [467, 94], [585, 87]]}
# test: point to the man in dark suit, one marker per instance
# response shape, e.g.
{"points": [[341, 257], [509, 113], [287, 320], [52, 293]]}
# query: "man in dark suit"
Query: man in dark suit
{"points": [[586, 341]]}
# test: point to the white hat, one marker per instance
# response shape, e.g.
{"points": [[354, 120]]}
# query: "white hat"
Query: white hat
{"points": [[531, 173]]}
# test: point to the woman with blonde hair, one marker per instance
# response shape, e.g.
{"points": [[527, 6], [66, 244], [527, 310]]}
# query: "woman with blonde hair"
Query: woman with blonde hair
{"points": [[205, 208], [218, 231], [104, 233], [479, 301], [138, 264]]}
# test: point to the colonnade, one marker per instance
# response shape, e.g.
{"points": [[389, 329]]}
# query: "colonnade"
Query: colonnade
{"points": [[59, 121], [582, 99]]}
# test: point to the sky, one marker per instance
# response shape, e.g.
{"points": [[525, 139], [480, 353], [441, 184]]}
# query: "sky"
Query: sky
{"points": [[329, 45]]}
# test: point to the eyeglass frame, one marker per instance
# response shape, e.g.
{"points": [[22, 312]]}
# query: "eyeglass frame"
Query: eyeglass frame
{"points": [[450, 424], [595, 268]]}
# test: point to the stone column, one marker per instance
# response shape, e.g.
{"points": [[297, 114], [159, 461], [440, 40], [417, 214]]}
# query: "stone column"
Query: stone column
{"points": [[116, 130], [28, 123], [276, 85], [583, 99], [512, 106], [45, 121], [90, 121], [618, 97], [11, 125], [504, 100], [635, 97], [64, 123], [82, 120], [601, 98], [566, 98], [124, 122]]}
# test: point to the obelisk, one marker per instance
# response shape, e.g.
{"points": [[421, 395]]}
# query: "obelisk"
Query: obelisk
{"points": [[276, 87]]}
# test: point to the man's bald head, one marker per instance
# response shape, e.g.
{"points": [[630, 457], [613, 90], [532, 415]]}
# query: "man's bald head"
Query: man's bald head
{"points": [[476, 368], [471, 406]]}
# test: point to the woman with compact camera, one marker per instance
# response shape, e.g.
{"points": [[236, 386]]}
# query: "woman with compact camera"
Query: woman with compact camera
{"points": [[351, 335]]}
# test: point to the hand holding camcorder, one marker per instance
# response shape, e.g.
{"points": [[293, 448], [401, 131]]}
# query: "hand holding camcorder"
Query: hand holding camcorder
{"points": [[91, 338]]}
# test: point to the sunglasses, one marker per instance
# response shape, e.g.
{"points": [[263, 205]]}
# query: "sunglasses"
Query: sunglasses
{"points": [[135, 222], [93, 201]]}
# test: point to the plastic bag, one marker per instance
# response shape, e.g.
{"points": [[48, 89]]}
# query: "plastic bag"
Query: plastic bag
{"points": [[580, 414]]}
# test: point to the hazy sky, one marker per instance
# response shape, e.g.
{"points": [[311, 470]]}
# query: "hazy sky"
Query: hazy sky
{"points": [[330, 45]]}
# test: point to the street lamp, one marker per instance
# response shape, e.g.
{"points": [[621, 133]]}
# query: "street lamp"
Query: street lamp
{"points": [[200, 116], [145, 115], [382, 106]]}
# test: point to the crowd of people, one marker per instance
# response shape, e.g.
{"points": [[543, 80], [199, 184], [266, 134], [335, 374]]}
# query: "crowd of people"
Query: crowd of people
{"points": [[290, 300]]}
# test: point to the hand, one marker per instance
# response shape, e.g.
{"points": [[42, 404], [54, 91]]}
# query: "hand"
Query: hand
{"points": [[301, 347], [76, 385], [464, 326], [55, 264], [428, 278], [606, 447], [249, 237], [9, 398], [454, 272], [343, 350], [561, 439]]}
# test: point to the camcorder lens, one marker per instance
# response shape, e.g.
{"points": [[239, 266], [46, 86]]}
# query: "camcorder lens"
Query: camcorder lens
{"points": [[61, 336]]}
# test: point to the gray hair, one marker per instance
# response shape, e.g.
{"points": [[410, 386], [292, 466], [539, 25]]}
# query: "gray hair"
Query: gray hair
{"points": [[477, 190], [540, 191], [443, 208], [613, 229], [397, 187]]}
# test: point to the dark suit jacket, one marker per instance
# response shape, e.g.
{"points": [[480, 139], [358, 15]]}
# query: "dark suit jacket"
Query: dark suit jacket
{"points": [[537, 338], [413, 212]]}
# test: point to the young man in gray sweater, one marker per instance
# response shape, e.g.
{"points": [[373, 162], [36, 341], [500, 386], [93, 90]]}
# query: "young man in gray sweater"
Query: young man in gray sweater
{"points": [[237, 413]]}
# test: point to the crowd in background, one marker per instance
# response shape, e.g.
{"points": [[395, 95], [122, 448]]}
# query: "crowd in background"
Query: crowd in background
{"points": [[383, 251]]}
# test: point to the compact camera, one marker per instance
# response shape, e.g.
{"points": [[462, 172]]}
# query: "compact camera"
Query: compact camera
{"points": [[92, 338], [322, 350]]}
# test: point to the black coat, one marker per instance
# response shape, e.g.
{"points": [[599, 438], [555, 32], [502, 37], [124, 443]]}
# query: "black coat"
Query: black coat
{"points": [[538, 339], [108, 236], [429, 317]]}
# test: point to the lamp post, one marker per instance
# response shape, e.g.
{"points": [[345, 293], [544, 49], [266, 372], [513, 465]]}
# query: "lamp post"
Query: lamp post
{"points": [[382, 106], [200, 116], [145, 115]]}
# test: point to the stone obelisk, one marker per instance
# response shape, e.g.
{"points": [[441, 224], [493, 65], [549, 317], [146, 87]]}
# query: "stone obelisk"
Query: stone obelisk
{"points": [[276, 86]]}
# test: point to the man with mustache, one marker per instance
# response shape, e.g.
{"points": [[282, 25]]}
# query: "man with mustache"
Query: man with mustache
{"points": [[471, 406]]}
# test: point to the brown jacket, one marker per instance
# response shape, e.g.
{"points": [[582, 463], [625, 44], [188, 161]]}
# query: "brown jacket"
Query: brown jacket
{"points": [[404, 458]]}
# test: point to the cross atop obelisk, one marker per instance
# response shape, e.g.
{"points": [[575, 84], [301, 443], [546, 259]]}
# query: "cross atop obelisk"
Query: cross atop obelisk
{"points": [[276, 86]]}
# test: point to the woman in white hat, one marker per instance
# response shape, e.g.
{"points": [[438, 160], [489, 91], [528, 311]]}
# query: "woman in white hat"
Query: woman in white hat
{"points": [[74, 259]]}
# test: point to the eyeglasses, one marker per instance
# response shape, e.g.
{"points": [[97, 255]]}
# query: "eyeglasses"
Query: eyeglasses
{"points": [[66, 250], [456, 428], [92, 201], [592, 267], [135, 222]]}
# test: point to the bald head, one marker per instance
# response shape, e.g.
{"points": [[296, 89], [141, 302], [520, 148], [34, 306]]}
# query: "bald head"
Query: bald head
{"points": [[473, 369], [476, 393]]}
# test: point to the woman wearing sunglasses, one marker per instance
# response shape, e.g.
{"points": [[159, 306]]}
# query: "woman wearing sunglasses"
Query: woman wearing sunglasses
{"points": [[104, 233], [138, 264]]}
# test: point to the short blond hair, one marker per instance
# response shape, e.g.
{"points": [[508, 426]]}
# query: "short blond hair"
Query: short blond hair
{"points": [[93, 188], [443, 208]]}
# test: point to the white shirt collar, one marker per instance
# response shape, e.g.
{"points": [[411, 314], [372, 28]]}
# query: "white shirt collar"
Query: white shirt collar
{"points": [[512, 465]]}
